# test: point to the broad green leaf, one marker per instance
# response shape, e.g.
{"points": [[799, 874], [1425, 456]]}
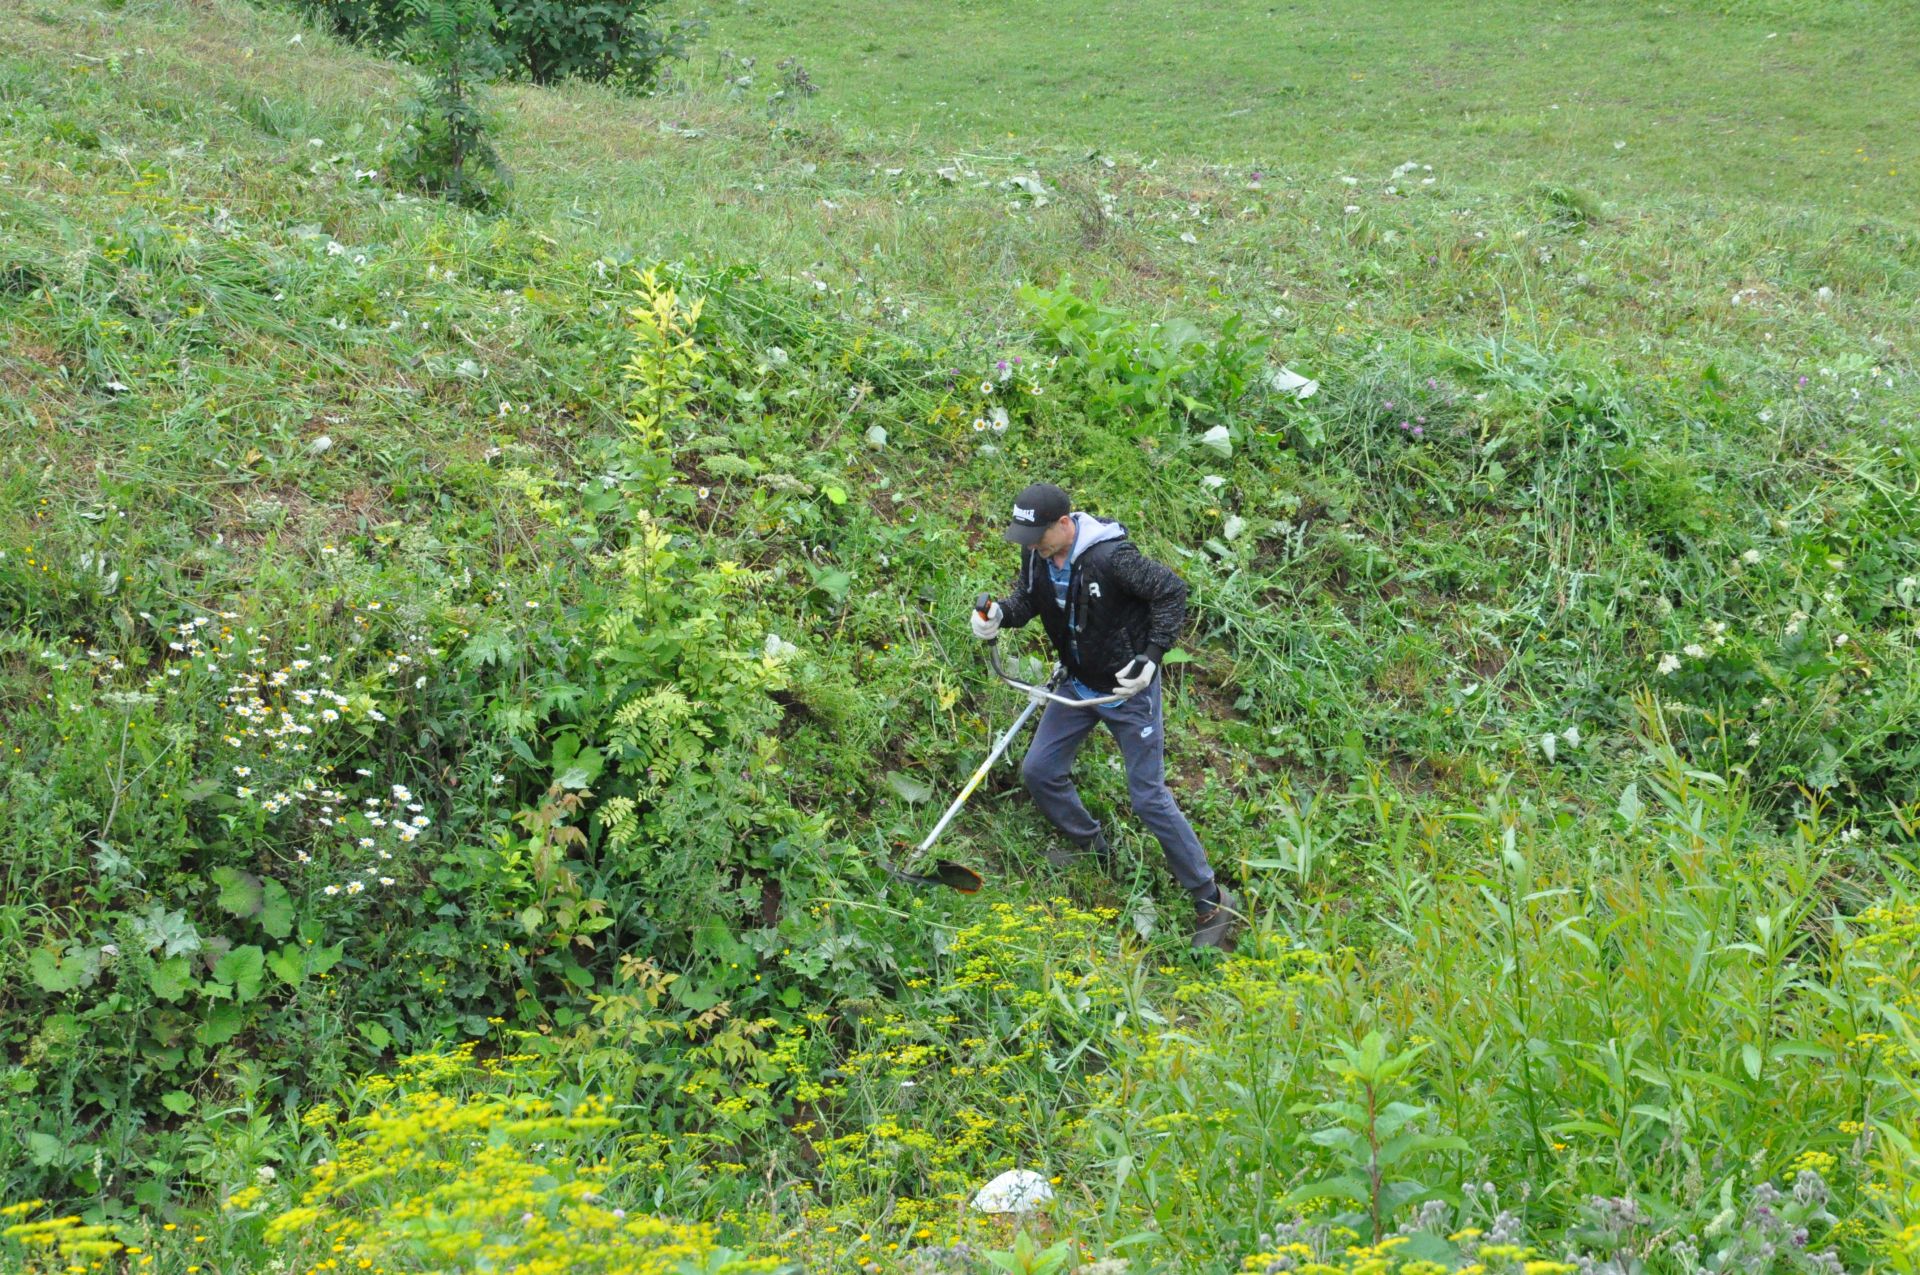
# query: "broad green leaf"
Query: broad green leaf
{"points": [[1331, 1188], [1138, 1237], [288, 964], [834, 583], [581, 772], [1397, 1195], [1630, 807], [1393, 1116], [489, 646], [221, 1024], [322, 959], [909, 788], [242, 969], [171, 932], [54, 972], [240, 892], [276, 909], [838, 495], [574, 766], [178, 1101], [170, 978]]}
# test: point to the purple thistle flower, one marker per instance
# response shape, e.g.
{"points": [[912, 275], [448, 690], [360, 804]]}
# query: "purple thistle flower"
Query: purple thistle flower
{"points": [[1417, 431]]}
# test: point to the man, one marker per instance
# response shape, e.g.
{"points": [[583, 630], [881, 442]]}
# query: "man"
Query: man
{"points": [[1111, 614]]}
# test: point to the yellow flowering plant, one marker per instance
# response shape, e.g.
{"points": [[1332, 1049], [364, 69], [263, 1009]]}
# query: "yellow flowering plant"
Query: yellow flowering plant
{"points": [[452, 1166], [53, 1243]]}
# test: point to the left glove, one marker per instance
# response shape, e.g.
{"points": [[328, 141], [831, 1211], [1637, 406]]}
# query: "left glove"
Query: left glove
{"points": [[1135, 677]]}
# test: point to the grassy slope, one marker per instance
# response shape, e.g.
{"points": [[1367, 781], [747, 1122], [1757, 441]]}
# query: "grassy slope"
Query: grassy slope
{"points": [[1778, 103], [224, 113], [242, 347]]}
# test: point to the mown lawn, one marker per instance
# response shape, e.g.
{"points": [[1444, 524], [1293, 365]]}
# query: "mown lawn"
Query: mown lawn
{"points": [[1777, 103]]}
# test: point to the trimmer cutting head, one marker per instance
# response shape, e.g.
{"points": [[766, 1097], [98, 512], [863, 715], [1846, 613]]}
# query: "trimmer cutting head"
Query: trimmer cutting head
{"points": [[951, 875]]}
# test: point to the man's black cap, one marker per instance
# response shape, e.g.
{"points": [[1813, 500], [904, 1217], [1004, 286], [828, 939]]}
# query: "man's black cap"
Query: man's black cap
{"points": [[1035, 509]]}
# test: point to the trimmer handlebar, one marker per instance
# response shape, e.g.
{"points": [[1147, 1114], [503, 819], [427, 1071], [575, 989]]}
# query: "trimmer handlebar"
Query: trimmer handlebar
{"points": [[953, 875], [982, 604]]}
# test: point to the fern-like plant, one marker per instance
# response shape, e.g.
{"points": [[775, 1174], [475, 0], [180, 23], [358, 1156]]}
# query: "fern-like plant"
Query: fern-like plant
{"points": [[447, 149]]}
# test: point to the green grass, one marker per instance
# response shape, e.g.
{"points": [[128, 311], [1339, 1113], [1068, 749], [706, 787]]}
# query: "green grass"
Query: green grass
{"points": [[1774, 103], [1668, 403]]}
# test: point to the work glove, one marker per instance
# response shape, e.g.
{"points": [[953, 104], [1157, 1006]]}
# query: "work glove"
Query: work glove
{"points": [[987, 627], [1135, 677]]}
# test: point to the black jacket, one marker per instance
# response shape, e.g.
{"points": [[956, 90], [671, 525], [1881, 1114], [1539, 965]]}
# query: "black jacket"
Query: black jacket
{"points": [[1120, 604]]}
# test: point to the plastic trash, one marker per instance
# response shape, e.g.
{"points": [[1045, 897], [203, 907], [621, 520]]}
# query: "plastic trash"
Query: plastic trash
{"points": [[1286, 381], [1015, 1191]]}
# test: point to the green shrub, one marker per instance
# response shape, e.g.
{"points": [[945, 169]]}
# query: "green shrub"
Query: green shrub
{"points": [[446, 148], [1147, 373], [236, 844], [620, 41]]}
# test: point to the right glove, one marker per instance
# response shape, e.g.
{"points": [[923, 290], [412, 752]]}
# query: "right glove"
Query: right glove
{"points": [[987, 627], [1135, 677]]}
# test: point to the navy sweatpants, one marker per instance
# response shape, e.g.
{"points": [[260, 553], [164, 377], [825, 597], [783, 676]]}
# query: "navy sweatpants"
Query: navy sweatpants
{"points": [[1138, 728]]}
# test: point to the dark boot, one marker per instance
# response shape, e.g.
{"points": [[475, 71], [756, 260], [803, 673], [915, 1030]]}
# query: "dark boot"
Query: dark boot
{"points": [[1103, 854], [1217, 925], [1098, 847]]}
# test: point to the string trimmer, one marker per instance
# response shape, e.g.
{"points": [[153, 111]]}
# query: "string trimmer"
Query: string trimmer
{"points": [[953, 875]]}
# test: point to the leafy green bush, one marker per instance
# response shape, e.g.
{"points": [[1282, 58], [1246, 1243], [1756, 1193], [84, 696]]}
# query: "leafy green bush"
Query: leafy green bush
{"points": [[446, 148], [1147, 372], [237, 844], [672, 665], [621, 41]]}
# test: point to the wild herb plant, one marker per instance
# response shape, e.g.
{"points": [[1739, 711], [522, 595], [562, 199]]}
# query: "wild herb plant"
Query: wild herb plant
{"points": [[447, 149]]}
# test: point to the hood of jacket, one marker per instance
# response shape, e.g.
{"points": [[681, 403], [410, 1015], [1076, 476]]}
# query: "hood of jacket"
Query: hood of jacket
{"points": [[1090, 531]]}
